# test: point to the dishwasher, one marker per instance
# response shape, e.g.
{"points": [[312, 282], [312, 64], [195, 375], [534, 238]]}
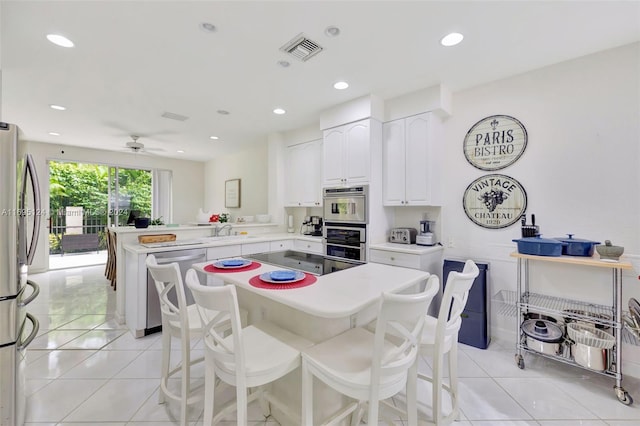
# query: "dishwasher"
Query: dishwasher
{"points": [[184, 259]]}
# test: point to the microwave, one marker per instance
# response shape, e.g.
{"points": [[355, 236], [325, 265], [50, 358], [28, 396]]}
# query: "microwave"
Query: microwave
{"points": [[346, 204]]}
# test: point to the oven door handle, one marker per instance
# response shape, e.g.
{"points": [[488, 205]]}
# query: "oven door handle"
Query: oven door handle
{"points": [[359, 246]]}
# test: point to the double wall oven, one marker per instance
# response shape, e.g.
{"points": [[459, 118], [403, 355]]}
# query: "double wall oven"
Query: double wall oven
{"points": [[345, 223]]}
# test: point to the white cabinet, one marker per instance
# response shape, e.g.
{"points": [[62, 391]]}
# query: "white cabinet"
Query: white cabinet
{"points": [[215, 253], [253, 248], [411, 161], [314, 247], [346, 154], [304, 175], [280, 245]]}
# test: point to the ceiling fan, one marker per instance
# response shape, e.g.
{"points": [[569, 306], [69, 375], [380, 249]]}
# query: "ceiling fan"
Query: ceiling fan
{"points": [[136, 147]]}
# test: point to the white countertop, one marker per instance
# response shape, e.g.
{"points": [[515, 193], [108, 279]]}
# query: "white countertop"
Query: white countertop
{"points": [[336, 295], [192, 226], [407, 248], [205, 242]]}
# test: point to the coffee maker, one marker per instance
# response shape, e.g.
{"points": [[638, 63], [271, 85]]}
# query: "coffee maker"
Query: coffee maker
{"points": [[312, 226], [426, 237]]}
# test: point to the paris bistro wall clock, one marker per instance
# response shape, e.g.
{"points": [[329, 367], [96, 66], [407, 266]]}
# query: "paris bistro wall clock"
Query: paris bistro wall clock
{"points": [[494, 201], [495, 142]]}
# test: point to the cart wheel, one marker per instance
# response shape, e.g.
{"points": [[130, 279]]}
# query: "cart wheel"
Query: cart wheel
{"points": [[624, 397], [520, 362]]}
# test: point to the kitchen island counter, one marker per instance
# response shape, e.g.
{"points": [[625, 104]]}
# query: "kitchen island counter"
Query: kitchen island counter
{"points": [[337, 295]]}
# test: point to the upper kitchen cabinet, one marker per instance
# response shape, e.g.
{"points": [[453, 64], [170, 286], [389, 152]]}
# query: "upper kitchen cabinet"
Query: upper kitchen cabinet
{"points": [[303, 174], [347, 153], [412, 161]]}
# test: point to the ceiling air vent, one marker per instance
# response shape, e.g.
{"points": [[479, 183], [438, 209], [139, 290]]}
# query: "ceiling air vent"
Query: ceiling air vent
{"points": [[300, 47], [174, 116]]}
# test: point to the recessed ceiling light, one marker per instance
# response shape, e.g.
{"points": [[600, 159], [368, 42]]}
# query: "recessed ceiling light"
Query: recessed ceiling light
{"points": [[180, 151], [223, 112], [208, 27], [279, 111], [341, 85], [215, 138], [332, 31], [451, 39], [59, 40], [58, 107], [284, 64], [54, 134]]}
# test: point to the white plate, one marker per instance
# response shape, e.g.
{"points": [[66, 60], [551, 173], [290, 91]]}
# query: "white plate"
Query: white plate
{"points": [[220, 264], [266, 277]]}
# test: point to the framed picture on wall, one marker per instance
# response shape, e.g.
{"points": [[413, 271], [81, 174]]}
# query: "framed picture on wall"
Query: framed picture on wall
{"points": [[232, 193]]}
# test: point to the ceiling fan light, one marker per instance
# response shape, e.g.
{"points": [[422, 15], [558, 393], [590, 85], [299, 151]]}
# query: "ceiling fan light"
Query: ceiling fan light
{"points": [[59, 40], [451, 39]]}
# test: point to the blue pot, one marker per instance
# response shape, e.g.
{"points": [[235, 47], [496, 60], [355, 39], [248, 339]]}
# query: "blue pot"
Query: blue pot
{"points": [[577, 246], [539, 246]]}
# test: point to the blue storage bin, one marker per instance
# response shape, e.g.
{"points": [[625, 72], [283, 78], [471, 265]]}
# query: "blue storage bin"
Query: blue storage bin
{"points": [[476, 317]]}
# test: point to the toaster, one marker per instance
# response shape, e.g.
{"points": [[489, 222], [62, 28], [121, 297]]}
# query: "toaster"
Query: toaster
{"points": [[403, 235]]}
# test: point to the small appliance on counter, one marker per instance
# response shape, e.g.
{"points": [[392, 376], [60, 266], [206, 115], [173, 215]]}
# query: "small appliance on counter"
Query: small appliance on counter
{"points": [[403, 235], [312, 225], [426, 236]]}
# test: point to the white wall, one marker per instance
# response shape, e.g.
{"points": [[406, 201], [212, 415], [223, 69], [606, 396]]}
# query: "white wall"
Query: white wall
{"points": [[248, 166], [580, 168], [188, 178]]}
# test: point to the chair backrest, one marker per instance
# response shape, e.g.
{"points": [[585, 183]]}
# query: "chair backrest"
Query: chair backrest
{"points": [[216, 306], [454, 300], [401, 316], [167, 278]]}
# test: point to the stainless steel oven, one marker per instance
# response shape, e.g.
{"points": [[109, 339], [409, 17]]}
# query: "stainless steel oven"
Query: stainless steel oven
{"points": [[346, 204], [345, 241]]}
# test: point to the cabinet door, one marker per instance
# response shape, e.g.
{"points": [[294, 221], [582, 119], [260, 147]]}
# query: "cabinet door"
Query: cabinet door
{"points": [[294, 161], [303, 174], [332, 164], [281, 245], [357, 137], [418, 160], [393, 163], [309, 174]]}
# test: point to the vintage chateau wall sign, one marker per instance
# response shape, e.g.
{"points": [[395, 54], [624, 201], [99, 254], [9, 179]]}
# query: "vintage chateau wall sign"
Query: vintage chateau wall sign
{"points": [[495, 201], [495, 142]]}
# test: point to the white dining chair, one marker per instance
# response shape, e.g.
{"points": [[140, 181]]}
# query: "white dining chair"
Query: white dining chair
{"points": [[365, 365], [249, 357], [178, 321], [440, 339]]}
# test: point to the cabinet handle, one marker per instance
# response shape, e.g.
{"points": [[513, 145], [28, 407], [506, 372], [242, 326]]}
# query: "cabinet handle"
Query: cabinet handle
{"points": [[393, 258]]}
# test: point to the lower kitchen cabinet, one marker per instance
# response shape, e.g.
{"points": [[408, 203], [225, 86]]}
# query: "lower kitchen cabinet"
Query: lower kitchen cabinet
{"points": [[314, 247]]}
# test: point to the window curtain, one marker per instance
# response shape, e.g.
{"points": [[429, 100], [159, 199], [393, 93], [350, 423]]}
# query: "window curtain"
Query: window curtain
{"points": [[162, 195]]}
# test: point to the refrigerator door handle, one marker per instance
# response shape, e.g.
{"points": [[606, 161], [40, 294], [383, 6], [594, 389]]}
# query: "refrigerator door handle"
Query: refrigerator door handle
{"points": [[36, 292], [32, 335], [37, 206]]}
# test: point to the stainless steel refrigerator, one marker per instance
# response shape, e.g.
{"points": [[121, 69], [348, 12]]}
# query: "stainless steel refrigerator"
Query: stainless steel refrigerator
{"points": [[20, 216]]}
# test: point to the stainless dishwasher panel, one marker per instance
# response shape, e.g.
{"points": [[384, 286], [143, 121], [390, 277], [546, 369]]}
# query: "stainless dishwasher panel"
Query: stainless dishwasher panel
{"points": [[184, 259]]}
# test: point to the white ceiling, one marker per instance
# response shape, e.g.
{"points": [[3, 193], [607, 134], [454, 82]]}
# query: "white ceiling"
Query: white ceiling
{"points": [[134, 60]]}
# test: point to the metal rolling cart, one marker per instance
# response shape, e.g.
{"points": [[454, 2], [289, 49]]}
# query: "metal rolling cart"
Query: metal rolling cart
{"points": [[608, 316]]}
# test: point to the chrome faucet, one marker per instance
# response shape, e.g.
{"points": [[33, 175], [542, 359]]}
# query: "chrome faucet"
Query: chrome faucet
{"points": [[218, 231]]}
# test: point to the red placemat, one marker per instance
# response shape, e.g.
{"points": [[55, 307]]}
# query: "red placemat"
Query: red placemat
{"points": [[307, 280], [249, 267]]}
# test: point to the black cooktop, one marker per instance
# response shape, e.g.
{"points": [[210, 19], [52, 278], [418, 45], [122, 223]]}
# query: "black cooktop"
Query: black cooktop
{"points": [[313, 263]]}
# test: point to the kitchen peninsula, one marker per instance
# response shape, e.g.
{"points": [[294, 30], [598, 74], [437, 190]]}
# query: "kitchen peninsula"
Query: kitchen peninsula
{"points": [[126, 235]]}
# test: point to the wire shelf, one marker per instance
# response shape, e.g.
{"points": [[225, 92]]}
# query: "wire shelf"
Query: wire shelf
{"points": [[505, 301]]}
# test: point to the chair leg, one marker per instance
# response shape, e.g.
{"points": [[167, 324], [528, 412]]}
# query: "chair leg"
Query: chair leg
{"points": [[241, 401], [412, 397], [372, 412], [209, 389], [186, 380], [307, 395], [436, 400], [453, 381], [164, 365], [264, 404]]}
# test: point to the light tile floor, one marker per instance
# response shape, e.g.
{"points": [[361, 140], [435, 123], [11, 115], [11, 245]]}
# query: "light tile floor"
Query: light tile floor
{"points": [[85, 369]]}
